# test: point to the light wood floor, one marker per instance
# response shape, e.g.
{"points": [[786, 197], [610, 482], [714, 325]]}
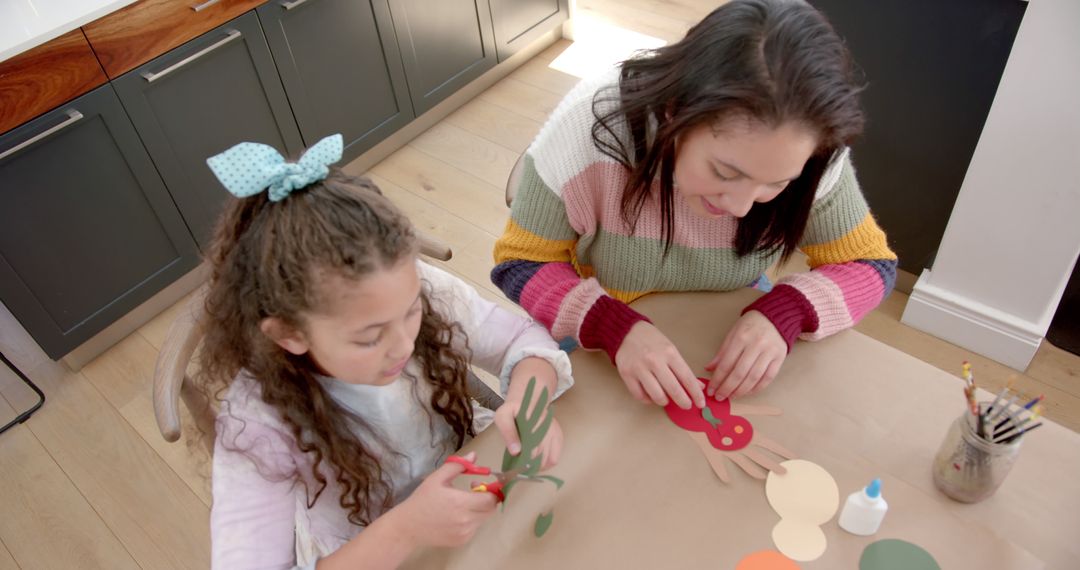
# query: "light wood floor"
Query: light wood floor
{"points": [[89, 483]]}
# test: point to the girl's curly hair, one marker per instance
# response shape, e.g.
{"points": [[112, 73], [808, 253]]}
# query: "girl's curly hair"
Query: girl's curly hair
{"points": [[265, 260]]}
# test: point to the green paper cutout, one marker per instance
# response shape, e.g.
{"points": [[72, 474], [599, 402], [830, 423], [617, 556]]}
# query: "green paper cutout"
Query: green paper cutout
{"points": [[531, 436], [543, 523], [558, 482], [709, 417], [532, 431], [894, 554]]}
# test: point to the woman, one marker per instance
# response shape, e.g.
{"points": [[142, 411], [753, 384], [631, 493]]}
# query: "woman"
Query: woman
{"points": [[696, 166]]}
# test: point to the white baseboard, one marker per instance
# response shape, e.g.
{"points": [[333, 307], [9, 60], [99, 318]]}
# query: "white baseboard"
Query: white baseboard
{"points": [[972, 325]]}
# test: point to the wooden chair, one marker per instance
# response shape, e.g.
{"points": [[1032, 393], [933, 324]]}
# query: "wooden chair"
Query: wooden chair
{"points": [[171, 382], [514, 180]]}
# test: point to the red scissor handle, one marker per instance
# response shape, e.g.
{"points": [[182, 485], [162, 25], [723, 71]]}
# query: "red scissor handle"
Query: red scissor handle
{"points": [[470, 467], [494, 487]]}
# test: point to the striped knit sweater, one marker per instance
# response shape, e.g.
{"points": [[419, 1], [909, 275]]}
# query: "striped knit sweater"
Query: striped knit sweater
{"points": [[570, 261]]}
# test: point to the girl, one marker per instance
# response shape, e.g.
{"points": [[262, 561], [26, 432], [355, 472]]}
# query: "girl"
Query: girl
{"points": [[341, 362], [696, 166]]}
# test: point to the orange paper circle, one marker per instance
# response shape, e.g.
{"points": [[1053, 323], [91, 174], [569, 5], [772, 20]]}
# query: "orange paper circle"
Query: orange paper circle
{"points": [[767, 560]]}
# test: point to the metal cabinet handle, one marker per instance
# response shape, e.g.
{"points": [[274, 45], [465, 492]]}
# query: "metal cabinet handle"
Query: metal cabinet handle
{"points": [[150, 77], [204, 5], [73, 117], [291, 5]]}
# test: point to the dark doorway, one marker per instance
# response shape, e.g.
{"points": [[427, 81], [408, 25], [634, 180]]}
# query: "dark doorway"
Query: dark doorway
{"points": [[932, 69]]}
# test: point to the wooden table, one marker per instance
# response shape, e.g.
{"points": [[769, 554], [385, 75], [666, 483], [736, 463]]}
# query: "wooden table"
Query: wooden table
{"points": [[639, 494]]}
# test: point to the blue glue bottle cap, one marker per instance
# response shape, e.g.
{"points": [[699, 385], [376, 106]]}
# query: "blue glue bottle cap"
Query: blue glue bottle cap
{"points": [[873, 490]]}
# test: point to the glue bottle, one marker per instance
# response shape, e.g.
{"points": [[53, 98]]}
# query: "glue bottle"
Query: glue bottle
{"points": [[864, 510]]}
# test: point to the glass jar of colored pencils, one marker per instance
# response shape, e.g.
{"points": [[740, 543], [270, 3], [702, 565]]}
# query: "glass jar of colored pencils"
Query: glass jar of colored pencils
{"points": [[970, 466]]}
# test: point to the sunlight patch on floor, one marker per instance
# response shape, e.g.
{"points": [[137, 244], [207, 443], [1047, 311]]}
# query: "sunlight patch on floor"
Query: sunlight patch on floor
{"points": [[598, 45]]}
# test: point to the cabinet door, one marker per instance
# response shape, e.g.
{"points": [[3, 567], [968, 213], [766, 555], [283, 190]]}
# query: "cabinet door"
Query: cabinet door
{"points": [[87, 230], [444, 45], [520, 22], [340, 64], [198, 100]]}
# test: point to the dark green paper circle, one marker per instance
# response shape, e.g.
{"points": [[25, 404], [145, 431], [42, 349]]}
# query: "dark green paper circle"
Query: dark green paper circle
{"points": [[894, 554]]}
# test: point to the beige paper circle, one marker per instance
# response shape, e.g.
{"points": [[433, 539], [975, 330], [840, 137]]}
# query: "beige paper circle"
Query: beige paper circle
{"points": [[805, 494], [799, 541]]}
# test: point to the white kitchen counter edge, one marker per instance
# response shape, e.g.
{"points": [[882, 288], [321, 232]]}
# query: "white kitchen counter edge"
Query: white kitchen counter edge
{"points": [[20, 33]]}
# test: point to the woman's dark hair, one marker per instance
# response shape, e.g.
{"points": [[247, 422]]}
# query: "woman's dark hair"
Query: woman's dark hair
{"points": [[266, 261], [770, 61]]}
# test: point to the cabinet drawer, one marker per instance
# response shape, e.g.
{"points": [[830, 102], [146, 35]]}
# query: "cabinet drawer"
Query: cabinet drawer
{"points": [[46, 77], [146, 29]]}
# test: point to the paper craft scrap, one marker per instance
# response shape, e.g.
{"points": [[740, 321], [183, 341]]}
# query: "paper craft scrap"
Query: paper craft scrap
{"points": [[531, 430], [798, 540], [894, 554], [543, 523], [805, 498], [766, 560]]}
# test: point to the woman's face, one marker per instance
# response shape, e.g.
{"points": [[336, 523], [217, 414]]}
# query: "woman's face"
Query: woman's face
{"points": [[723, 169]]}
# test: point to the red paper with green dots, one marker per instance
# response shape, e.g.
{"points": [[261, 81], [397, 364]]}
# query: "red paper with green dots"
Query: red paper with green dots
{"points": [[725, 431]]}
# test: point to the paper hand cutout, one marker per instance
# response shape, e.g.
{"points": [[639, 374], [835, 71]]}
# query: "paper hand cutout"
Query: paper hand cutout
{"points": [[721, 432], [531, 429]]}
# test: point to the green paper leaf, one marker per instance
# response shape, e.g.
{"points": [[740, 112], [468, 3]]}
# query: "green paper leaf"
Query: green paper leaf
{"points": [[558, 482], [543, 523], [709, 417], [509, 461]]}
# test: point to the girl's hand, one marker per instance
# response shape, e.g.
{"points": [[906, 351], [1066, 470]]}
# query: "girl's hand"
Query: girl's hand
{"points": [[748, 359], [652, 369], [437, 514], [546, 377]]}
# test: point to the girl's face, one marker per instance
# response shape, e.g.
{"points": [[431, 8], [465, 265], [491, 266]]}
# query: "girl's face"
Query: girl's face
{"points": [[724, 171], [366, 329]]}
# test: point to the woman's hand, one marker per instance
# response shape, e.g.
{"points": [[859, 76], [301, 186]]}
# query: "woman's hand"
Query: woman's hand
{"points": [[748, 359], [546, 377], [653, 370], [437, 514]]}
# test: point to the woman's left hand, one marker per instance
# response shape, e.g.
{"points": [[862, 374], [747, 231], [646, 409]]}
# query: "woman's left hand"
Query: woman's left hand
{"points": [[748, 359], [546, 377]]}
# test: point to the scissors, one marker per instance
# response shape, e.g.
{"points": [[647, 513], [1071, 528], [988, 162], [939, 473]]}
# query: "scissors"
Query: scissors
{"points": [[501, 478]]}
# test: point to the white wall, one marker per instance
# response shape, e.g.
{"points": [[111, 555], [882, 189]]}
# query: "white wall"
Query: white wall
{"points": [[1014, 233]]}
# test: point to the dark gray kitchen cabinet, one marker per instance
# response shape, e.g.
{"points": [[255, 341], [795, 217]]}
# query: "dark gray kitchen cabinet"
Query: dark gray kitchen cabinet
{"points": [[518, 23], [341, 67], [87, 228], [444, 45], [200, 99]]}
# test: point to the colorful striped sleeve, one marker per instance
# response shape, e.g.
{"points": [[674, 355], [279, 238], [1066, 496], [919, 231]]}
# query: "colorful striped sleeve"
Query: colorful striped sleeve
{"points": [[536, 268], [852, 268]]}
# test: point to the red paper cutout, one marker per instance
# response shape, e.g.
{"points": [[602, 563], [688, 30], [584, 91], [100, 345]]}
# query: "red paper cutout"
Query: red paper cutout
{"points": [[731, 433]]}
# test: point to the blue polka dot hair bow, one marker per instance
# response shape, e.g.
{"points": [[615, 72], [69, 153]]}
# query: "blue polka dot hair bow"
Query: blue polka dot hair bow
{"points": [[249, 168]]}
